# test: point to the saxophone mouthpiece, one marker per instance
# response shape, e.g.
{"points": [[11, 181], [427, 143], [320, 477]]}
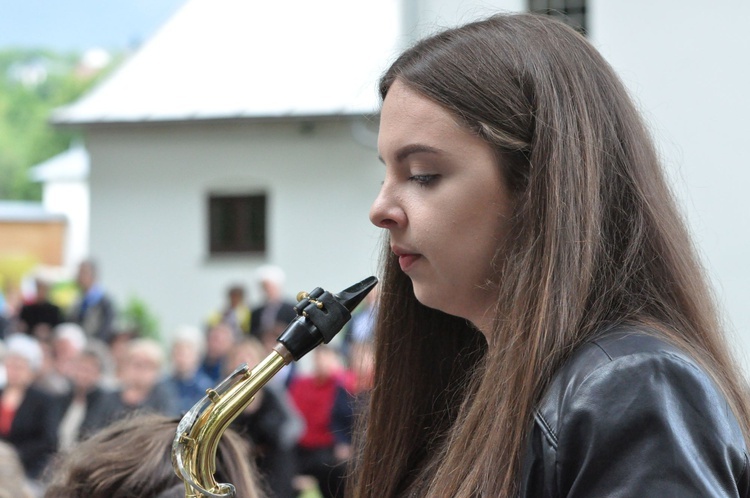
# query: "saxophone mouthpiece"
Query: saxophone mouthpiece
{"points": [[352, 296], [321, 315]]}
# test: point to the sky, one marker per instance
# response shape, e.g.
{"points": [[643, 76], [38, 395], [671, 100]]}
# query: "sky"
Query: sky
{"points": [[78, 25]]}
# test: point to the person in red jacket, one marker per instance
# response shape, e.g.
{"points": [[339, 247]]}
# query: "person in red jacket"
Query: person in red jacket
{"points": [[314, 395]]}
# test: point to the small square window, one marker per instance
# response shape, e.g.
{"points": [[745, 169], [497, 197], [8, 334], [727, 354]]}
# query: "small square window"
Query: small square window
{"points": [[571, 12], [237, 224]]}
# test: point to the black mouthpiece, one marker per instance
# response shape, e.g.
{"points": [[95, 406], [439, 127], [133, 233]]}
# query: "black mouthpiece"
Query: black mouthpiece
{"points": [[321, 315], [352, 296]]}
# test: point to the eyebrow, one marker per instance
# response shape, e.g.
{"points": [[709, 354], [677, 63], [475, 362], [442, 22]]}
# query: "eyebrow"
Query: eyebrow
{"points": [[410, 149]]}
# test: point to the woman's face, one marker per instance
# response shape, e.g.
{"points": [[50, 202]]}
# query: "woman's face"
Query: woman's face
{"points": [[444, 203], [140, 371], [18, 371]]}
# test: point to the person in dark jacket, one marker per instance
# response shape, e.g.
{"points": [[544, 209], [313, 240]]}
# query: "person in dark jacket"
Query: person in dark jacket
{"points": [[41, 316], [270, 424], [352, 393], [87, 407], [186, 378], [95, 311], [143, 384], [350, 401], [275, 309], [28, 415], [545, 328]]}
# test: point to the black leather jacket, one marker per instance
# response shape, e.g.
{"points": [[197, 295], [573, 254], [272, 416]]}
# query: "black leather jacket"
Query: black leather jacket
{"points": [[632, 416]]}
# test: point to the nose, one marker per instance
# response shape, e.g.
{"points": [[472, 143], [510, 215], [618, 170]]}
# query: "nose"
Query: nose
{"points": [[386, 211]]}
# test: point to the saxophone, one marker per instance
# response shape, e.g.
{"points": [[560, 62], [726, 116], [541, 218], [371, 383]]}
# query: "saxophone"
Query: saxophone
{"points": [[320, 316]]}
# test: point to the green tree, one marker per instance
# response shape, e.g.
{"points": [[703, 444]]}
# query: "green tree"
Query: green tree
{"points": [[32, 84]]}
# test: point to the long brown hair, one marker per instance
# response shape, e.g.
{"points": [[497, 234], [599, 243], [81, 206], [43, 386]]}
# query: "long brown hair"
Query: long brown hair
{"points": [[595, 240]]}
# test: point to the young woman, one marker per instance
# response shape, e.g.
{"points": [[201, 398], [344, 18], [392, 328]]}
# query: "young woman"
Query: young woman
{"points": [[545, 327]]}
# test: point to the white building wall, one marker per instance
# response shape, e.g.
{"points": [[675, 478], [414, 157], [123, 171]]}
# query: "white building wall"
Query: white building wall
{"points": [[320, 185], [71, 199], [687, 64], [424, 17]]}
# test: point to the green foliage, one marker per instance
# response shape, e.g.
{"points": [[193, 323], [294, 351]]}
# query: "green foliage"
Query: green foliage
{"points": [[12, 269], [138, 317], [64, 293], [26, 137]]}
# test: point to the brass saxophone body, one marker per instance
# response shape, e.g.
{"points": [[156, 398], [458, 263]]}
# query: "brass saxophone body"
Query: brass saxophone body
{"points": [[320, 316]]}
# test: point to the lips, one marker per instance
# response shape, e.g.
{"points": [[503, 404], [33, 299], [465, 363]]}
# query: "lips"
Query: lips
{"points": [[406, 259]]}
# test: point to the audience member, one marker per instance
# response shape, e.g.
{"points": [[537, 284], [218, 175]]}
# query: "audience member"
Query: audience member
{"points": [[313, 395], [132, 458], [47, 378], [9, 307], [87, 407], [270, 423], [68, 341], [189, 381], [60, 354], [143, 385], [2, 364], [84, 417], [274, 308], [6, 326], [361, 327], [219, 341], [95, 311], [41, 316], [27, 414], [351, 400], [236, 313], [118, 349]]}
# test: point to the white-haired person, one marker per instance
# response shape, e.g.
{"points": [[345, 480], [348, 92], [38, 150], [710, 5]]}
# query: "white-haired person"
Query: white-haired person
{"points": [[28, 415], [65, 343], [186, 377], [275, 309], [144, 387], [88, 405]]}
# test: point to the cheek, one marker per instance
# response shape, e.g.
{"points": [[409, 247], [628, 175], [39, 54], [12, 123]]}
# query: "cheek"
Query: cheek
{"points": [[470, 247]]}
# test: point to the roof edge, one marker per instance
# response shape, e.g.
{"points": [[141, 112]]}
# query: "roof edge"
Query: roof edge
{"points": [[187, 121]]}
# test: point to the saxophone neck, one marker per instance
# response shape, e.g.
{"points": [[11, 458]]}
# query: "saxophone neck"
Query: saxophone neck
{"points": [[320, 316]]}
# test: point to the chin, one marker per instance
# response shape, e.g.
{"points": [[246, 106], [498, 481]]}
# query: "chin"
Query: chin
{"points": [[431, 297], [443, 299]]}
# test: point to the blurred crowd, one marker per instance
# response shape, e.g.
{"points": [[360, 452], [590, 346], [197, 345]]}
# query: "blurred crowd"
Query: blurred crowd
{"points": [[66, 375]]}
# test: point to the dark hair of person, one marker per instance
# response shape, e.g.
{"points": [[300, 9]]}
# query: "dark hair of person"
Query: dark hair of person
{"points": [[132, 457], [92, 265], [595, 240]]}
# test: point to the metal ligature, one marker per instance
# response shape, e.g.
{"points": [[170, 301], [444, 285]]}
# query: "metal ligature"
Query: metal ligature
{"points": [[320, 316]]}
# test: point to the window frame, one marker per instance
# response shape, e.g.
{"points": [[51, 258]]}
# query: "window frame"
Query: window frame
{"points": [[238, 242], [574, 13]]}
